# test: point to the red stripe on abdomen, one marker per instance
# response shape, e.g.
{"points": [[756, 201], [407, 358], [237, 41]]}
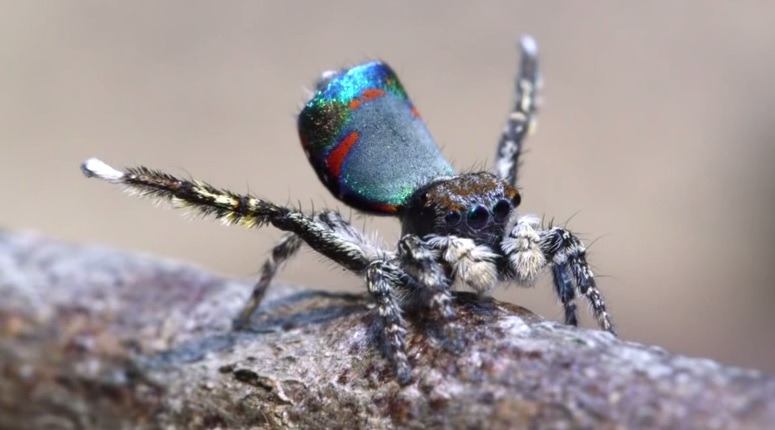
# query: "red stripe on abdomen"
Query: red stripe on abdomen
{"points": [[336, 158]]}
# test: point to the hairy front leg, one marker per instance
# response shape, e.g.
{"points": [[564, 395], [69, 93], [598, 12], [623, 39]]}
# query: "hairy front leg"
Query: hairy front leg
{"points": [[420, 261], [568, 255], [383, 281]]}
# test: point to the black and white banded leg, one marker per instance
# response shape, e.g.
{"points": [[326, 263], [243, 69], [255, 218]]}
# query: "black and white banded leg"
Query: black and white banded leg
{"points": [[284, 250], [529, 249], [420, 261], [289, 245], [232, 208], [521, 120], [563, 286], [383, 280], [568, 256]]}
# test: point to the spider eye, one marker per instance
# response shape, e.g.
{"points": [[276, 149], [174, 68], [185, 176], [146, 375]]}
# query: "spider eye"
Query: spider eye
{"points": [[478, 217], [452, 218], [501, 209], [516, 200]]}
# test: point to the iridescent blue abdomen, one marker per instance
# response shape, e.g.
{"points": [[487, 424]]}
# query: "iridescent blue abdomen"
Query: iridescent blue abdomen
{"points": [[366, 141]]}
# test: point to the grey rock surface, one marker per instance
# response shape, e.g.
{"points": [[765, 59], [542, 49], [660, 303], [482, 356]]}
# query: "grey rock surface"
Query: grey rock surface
{"points": [[97, 338]]}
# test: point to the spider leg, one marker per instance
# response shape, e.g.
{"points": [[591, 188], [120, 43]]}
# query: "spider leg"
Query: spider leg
{"points": [[529, 249], [420, 261], [568, 254], [383, 281], [285, 249], [521, 120], [288, 246], [327, 233], [231, 208], [563, 286]]}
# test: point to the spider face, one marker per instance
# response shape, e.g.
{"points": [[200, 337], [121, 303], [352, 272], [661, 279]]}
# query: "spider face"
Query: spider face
{"points": [[473, 205]]}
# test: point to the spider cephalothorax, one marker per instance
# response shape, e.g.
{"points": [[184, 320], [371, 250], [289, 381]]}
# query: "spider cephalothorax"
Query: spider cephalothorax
{"points": [[472, 205], [368, 145]]}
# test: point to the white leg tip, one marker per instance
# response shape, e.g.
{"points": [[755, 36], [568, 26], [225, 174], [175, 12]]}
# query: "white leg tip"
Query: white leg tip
{"points": [[528, 45], [96, 168]]}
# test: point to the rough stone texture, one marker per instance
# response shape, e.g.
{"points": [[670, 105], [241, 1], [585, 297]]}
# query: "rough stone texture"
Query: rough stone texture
{"points": [[96, 338]]}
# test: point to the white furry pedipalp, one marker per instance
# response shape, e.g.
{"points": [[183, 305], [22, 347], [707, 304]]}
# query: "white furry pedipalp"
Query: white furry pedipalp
{"points": [[522, 246]]}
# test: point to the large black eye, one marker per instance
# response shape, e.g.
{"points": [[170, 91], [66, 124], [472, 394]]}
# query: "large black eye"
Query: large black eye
{"points": [[501, 209], [478, 217], [452, 218]]}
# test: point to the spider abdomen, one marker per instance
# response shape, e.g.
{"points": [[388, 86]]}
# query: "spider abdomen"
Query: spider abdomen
{"points": [[366, 140]]}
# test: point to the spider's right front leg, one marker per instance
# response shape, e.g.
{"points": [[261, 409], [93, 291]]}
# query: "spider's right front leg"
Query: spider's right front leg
{"points": [[421, 261]]}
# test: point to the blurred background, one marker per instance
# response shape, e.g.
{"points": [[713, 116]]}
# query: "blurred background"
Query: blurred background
{"points": [[656, 137]]}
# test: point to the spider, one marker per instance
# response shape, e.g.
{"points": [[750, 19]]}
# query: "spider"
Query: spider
{"points": [[369, 146]]}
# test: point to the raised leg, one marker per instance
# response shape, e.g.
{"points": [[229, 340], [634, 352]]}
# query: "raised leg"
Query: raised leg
{"points": [[522, 118], [231, 208], [327, 233]]}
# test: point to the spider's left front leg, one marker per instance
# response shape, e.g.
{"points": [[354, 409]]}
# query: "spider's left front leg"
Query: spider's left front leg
{"points": [[568, 255], [529, 249]]}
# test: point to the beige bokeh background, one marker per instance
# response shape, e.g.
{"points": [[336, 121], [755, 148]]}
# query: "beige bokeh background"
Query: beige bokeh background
{"points": [[656, 136]]}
